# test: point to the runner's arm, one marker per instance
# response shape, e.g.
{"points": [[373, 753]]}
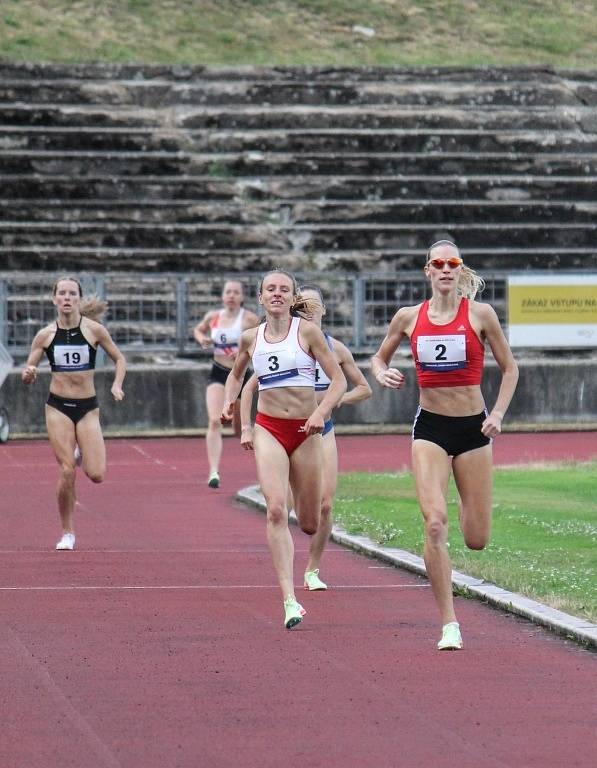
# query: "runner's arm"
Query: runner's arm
{"points": [[107, 344], [360, 389], [380, 362], [201, 332], [504, 358], [29, 373], [318, 347], [234, 381], [246, 404]]}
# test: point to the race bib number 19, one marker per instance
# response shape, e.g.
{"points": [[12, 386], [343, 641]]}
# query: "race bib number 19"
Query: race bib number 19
{"points": [[441, 353], [71, 357]]}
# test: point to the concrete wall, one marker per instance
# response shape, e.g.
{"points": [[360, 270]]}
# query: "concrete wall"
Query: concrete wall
{"points": [[171, 398]]}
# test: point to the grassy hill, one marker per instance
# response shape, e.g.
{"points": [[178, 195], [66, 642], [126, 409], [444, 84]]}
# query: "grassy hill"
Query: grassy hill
{"points": [[302, 32]]}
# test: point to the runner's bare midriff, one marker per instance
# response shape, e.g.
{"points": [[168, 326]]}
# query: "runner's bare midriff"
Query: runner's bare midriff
{"points": [[452, 401], [287, 402], [77, 385]]}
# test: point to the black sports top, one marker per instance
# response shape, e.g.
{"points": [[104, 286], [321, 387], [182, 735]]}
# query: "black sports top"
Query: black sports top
{"points": [[70, 352]]}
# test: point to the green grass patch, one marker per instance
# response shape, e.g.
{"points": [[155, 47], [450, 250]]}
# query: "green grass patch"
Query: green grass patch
{"points": [[544, 536], [284, 32]]}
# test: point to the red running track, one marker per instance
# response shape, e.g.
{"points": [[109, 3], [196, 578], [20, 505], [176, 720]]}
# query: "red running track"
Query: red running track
{"points": [[159, 642]]}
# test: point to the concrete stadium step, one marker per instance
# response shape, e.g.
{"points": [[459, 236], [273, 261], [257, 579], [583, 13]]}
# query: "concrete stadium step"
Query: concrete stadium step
{"points": [[145, 260], [383, 260], [307, 212], [334, 140], [164, 92], [291, 188], [571, 118], [185, 73], [300, 238], [98, 139], [530, 118], [340, 140], [276, 163]]}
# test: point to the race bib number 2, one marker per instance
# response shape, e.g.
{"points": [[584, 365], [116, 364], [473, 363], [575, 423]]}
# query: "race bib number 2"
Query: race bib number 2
{"points": [[441, 353]]}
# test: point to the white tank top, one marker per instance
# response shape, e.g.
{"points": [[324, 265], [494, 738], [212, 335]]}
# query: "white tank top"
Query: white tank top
{"points": [[226, 340], [282, 363], [322, 380]]}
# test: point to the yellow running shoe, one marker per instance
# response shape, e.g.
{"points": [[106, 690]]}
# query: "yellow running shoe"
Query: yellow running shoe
{"points": [[313, 582], [451, 637], [293, 612]]}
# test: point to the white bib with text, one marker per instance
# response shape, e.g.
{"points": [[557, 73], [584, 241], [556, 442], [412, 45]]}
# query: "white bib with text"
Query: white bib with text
{"points": [[442, 353], [71, 357]]}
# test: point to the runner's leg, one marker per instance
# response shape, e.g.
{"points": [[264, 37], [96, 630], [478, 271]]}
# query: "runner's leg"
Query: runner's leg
{"points": [[61, 433], [305, 481], [431, 467], [272, 472], [473, 472], [328, 490], [91, 443], [214, 400]]}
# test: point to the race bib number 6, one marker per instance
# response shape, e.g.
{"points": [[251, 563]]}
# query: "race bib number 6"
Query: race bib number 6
{"points": [[441, 353]]}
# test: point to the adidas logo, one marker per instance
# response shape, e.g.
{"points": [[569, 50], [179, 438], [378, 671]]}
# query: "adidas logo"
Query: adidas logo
{"points": [[461, 328]]}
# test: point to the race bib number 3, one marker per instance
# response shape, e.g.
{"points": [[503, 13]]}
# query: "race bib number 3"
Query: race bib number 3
{"points": [[441, 353], [71, 357], [275, 366]]}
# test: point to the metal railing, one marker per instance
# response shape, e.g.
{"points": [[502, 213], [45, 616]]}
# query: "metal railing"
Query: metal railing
{"points": [[156, 312]]}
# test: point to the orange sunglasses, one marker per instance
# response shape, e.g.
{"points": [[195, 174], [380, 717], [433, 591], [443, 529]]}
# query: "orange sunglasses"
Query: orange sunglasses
{"points": [[452, 262]]}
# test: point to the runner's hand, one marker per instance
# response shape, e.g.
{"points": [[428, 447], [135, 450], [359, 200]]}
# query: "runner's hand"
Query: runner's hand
{"points": [[391, 378], [246, 438], [313, 425], [227, 413], [29, 374], [117, 392], [492, 426]]}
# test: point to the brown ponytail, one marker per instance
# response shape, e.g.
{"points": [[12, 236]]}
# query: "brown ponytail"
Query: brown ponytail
{"points": [[303, 305], [93, 307]]}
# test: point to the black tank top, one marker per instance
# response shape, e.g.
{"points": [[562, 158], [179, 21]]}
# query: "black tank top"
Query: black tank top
{"points": [[70, 352]]}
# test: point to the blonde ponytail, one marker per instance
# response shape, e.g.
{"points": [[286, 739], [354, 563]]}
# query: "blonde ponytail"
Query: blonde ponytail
{"points": [[93, 307], [469, 283]]}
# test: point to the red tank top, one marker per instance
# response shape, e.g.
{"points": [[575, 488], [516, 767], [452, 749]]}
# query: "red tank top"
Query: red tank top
{"points": [[448, 355]]}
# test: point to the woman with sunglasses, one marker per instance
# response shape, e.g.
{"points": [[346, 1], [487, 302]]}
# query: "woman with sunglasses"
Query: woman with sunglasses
{"points": [[452, 428], [287, 437]]}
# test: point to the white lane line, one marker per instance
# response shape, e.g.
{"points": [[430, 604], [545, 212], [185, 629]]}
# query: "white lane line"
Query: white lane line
{"points": [[155, 460], [162, 552], [162, 587]]}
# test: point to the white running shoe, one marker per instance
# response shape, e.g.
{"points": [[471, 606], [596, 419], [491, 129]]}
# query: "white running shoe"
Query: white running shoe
{"points": [[67, 541], [451, 639], [312, 581], [214, 480], [293, 612]]}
